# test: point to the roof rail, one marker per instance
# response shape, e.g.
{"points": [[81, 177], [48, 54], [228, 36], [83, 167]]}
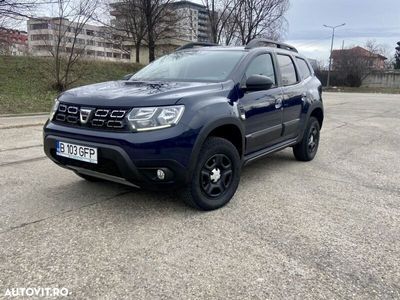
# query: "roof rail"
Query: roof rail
{"points": [[195, 45], [265, 42]]}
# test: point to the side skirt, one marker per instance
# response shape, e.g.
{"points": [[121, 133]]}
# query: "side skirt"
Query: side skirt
{"points": [[263, 152]]}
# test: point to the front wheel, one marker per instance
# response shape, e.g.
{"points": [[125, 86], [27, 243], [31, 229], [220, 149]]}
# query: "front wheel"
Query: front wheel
{"points": [[308, 146], [216, 175]]}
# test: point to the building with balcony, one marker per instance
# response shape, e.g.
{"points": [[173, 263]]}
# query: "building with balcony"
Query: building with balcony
{"points": [[192, 26], [94, 42]]}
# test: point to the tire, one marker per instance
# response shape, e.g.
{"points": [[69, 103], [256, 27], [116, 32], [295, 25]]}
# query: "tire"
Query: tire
{"points": [[308, 147], [216, 175], [90, 178]]}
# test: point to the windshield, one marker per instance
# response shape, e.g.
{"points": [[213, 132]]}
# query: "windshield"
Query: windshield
{"points": [[213, 66]]}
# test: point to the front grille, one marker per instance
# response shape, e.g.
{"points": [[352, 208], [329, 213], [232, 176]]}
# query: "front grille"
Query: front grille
{"points": [[92, 117]]}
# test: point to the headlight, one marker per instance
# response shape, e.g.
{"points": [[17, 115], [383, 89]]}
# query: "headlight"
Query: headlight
{"points": [[54, 109], [151, 118]]}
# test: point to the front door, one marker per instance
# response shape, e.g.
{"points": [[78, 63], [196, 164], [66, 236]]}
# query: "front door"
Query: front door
{"points": [[263, 109]]}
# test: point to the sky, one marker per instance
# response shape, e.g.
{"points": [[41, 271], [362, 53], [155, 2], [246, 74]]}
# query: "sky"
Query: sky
{"points": [[365, 20]]}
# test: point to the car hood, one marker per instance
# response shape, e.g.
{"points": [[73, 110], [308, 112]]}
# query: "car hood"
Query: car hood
{"points": [[135, 93]]}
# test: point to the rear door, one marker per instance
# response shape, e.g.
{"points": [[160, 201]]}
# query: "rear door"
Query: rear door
{"points": [[293, 95], [263, 109]]}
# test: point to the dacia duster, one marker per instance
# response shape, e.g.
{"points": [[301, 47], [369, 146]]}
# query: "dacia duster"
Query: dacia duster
{"points": [[190, 120]]}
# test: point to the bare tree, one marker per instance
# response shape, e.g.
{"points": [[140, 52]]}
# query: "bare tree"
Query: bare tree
{"points": [[65, 45], [146, 21], [221, 21], [260, 18], [130, 20], [380, 49], [15, 9], [160, 20]]}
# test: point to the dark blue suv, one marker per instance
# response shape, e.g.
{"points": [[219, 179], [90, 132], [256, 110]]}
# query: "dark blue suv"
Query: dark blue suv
{"points": [[190, 120]]}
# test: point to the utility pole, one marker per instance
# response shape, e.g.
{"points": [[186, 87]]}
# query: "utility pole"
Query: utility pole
{"points": [[330, 56]]}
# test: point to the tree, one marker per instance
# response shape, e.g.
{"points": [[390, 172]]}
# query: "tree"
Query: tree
{"points": [[146, 21], [260, 18], [130, 20], [221, 22], [160, 20], [397, 57], [14, 10], [64, 44]]}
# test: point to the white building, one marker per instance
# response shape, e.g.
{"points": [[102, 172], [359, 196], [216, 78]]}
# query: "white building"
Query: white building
{"points": [[94, 41], [194, 24]]}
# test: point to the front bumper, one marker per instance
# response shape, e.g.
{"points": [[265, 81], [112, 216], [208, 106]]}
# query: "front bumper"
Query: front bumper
{"points": [[126, 157]]}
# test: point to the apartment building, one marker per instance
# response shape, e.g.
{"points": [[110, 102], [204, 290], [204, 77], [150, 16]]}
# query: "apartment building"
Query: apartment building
{"points": [[96, 42], [194, 22], [193, 26]]}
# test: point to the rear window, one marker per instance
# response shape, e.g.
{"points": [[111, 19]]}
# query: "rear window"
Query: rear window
{"points": [[288, 71], [304, 70]]}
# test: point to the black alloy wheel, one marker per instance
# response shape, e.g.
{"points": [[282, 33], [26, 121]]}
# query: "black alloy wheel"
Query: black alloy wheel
{"points": [[216, 175]]}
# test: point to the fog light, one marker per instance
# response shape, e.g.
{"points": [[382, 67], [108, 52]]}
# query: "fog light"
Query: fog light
{"points": [[160, 174]]}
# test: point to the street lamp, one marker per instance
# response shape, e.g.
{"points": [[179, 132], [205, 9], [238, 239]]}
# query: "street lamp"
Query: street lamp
{"points": [[330, 57]]}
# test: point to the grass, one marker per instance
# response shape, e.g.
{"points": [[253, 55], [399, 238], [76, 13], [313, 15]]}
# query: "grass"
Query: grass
{"points": [[26, 82], [363, 90]]}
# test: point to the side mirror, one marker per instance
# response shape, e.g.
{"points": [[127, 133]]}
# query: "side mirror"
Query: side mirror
{"points": [[258, 83], [127, 76]]}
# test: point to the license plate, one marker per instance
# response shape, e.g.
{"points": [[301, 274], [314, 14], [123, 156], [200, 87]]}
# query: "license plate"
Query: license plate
{"points": [[78, 152]]}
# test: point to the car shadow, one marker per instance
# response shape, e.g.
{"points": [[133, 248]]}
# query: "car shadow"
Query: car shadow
{"points": [[80, 193]]}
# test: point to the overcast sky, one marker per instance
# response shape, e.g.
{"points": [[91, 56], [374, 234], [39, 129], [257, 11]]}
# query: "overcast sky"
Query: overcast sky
{"points": [[365, 19]]}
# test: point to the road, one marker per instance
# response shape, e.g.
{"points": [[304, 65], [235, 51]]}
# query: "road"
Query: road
{"points": [[327, 229]]}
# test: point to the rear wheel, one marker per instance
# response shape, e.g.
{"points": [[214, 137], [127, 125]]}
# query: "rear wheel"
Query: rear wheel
{"points": [[308, 147], [216, 175]]}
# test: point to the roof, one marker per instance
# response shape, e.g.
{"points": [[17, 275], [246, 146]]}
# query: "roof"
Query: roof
{"points": [[360, 51]]}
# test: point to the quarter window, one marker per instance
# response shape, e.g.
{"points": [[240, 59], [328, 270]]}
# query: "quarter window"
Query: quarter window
{"points": [[304, 69], [288, 71], [261, 65]]}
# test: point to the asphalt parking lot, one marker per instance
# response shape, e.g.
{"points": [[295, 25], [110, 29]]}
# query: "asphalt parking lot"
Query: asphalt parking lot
{"points": [[326, 229]]}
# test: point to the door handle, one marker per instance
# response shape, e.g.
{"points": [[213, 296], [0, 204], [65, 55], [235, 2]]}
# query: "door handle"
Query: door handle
{"points": [[304, 97], [278, 103]]}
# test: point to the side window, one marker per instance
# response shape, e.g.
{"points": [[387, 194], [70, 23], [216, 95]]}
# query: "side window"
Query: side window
{"points": [[288, 71], [304, 69], [261, 65]]}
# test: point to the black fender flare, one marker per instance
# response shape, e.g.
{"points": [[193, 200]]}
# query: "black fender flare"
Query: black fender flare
{"points": [[205, 132], [312, 106]]}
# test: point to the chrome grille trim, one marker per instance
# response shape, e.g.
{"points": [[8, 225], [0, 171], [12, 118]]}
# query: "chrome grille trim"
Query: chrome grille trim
{"points": [[118, 114], [97, 123], [62, 108], [100, 118], [73, 110], [102, 113], [115, 124]]}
